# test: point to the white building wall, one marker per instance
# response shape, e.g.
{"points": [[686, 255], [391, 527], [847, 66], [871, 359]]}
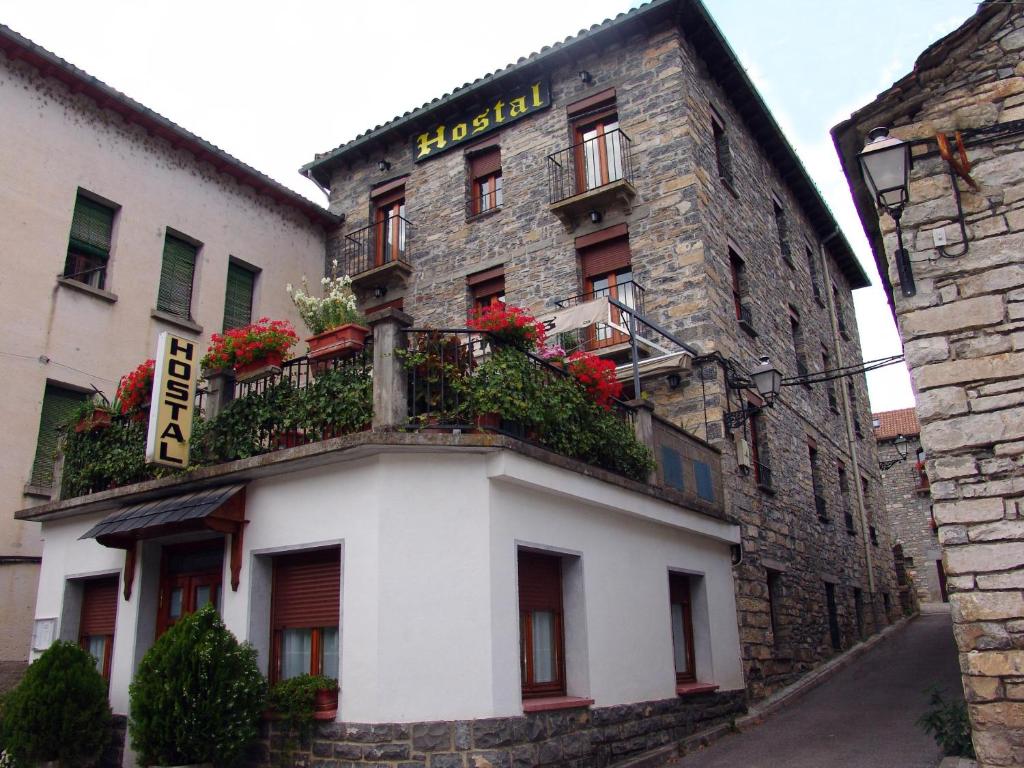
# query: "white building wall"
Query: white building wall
{"points": [[51, 144], [429, 606]]}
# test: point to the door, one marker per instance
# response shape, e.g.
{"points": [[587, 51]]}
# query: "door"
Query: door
{"points": [[598, 152], [191, 576], [390, 232]]}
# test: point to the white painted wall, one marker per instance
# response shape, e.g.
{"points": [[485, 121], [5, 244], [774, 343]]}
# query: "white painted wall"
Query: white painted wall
{"points": [[51, 144], [429, 610]]}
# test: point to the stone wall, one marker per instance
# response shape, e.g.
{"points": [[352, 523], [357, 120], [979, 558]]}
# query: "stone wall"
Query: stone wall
{"points": [[963, 334], [909, 506], [681, 226], [568, 738]]}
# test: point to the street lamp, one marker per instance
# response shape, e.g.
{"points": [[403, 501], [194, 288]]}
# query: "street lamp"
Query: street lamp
{"points": [[902, 446], [767, 380], [885, 165]]}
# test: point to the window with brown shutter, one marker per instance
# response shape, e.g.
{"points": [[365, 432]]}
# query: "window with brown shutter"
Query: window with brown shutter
{"points": [[97, 619], [389, 230], [542, 645], [487, 287], [486, 185], [607, 271], [596, 137], [305, 613], [682, 626]]}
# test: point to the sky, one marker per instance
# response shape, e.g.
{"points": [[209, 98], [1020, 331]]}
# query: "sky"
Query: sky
{"points": [[273, 83]]}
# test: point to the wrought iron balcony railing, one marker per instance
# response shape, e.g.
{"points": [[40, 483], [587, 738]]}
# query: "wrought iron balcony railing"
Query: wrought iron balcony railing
{"points": [[383, 242], [590, 165], [602, 335]]}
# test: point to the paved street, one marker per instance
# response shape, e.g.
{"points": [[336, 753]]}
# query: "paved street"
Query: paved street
{"points": [[862, 717]]}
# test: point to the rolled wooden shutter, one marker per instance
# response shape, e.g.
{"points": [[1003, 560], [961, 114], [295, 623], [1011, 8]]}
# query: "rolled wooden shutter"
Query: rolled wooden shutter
{"points": [[99, 607], [59, 405], [602, 258], [91, 226], [485, 163], [487, 283], [238, 297], [307, 589], [540, 582], [176, 274]]}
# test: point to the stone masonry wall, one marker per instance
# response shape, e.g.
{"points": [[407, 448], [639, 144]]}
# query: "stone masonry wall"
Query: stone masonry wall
{"points": [[964, 339], [679, 228], [570, 738], [909, 506]]}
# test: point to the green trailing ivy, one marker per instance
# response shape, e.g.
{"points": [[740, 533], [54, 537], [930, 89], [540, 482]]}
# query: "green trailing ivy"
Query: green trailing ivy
{"points": [[198, 695], [104, 458], [58, 712]]}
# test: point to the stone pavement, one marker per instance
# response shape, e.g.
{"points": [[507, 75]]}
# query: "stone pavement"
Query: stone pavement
{"points": [[862, 717]]}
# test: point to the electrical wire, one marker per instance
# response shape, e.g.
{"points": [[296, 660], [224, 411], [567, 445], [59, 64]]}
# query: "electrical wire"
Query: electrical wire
{"points": [[846, 371]]}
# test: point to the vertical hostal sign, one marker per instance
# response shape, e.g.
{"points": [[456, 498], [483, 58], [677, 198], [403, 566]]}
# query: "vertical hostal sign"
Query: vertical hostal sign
{"points": [[174, 392]]}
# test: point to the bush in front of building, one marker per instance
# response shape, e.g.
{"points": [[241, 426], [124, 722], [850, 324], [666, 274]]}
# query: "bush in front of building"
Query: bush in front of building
{"points": [[59, 711], [197, 696]]}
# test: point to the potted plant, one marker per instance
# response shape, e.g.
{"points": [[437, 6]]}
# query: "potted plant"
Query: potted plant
{"points": [[553, 354], [508, 387], [254, 351], [438, 367], [597, 376], [92, 415], [197, 696], [135, 391], [512, 326], [338, 327], [59, 711], [296, 703]]}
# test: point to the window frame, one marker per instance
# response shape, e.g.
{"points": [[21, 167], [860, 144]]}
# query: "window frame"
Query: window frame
{"points": [[680, 591], [92, 586], [490, 157], [389, 226], [42, 458], [486, 288], [81, 249], [723, 151], [168, 272], [556, 606], [603, 119], [319, 558], [253, 272]]}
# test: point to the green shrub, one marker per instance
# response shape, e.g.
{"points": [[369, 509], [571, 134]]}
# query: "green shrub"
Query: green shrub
{"points": [[59, 711], [197, 696], [293, 700], [949, 724]]}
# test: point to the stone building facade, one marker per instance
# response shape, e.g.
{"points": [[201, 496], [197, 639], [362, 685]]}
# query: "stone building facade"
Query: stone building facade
{"points": [[908, 501], [70, 144], [739, 257], [963, 335]]}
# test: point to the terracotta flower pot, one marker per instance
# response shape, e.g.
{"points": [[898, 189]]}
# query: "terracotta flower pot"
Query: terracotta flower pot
{"points": [[259, 369], [100, 419], [325, 701], [343, 341]]}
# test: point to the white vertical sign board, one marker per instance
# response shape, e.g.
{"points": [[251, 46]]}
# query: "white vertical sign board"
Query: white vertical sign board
{"points": [[174, 393]]}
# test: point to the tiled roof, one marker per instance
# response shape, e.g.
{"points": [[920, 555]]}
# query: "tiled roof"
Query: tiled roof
{"points": [[894, 423], [16, 46], [692, 17]]}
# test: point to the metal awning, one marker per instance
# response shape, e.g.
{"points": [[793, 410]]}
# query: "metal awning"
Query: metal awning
{"points": [[220, 509]]}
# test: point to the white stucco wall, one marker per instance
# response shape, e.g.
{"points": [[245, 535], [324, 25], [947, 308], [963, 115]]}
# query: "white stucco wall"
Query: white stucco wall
{"points": [[52, 144], [429, 606]]}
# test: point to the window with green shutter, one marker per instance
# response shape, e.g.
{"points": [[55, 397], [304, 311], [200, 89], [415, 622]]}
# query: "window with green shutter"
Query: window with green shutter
{"points": [[176, 273], [89, 245], [59, 405], [238, 297]]}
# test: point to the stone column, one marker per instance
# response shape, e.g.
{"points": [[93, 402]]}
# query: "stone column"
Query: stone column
{"points": [[643, 426], [390, 385], [220, 390]]}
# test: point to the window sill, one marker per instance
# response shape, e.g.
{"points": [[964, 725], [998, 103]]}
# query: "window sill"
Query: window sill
{"points": [[37, 491], [184, 323], [550, 703], [97, 293], [692, 689], [484, 214]]}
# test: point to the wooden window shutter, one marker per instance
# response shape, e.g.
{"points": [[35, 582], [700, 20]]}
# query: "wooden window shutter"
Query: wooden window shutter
{"points": [[176, 274], [602, 258], [99, 607], [485, 163], [487, 283], [59, 405], [307, 589], [238, 297], [540, 582], [92, 226]]}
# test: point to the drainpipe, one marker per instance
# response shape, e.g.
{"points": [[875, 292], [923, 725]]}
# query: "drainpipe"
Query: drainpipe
{"points": [[851, 438]]}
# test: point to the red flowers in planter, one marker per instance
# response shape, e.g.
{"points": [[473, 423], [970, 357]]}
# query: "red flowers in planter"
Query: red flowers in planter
{"points": [[249, 344], [136, 388], [597, 376], [512, 325]]}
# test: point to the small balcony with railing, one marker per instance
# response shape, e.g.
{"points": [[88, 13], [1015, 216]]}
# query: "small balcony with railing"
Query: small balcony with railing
{"points": [[378, 255], [591, 175], [606, 339]]}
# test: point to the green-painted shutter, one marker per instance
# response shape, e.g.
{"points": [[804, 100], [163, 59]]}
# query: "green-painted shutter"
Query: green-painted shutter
{"points": [[238, 298], [91, 226], [58, 406], [176, 273]]}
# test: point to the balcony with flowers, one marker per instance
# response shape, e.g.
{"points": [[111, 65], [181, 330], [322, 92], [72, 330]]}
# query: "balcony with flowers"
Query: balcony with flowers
{"points": [[496, 383]]}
